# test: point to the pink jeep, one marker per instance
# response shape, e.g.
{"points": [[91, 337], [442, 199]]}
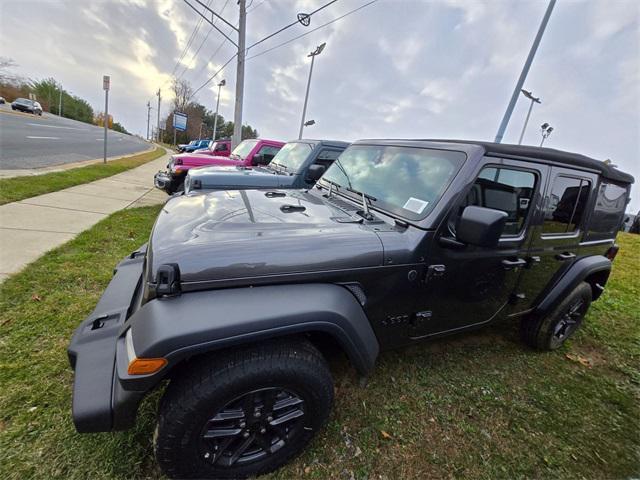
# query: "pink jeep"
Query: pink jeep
{"points": [[248, 153]]}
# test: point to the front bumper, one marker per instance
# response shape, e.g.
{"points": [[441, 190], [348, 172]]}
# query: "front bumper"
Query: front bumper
{"points": [[167, 181], [100, 403]]}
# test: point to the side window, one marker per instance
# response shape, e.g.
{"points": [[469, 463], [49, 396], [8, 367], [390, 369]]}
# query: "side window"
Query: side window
{"points": [[221, 147], [327, 157], [609, 211], [566, 204], [505, 189], [268, 151]]}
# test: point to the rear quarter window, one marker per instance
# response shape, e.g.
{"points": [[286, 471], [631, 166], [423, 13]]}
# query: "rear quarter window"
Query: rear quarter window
{"points": [[608, 212]]}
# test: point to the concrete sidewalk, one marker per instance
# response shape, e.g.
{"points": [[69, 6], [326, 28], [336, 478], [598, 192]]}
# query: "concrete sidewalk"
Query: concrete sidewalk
{"points": [[31, 227]]}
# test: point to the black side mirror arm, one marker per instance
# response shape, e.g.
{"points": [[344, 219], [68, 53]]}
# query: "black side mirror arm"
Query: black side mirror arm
{"points": [[450, 242]]}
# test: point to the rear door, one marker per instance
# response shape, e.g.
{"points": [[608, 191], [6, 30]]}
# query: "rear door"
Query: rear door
{"points": [[468, 285], [557, 234]]}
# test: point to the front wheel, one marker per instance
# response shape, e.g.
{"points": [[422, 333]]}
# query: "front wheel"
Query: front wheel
{"points": [[243, 413], [551, 331]]}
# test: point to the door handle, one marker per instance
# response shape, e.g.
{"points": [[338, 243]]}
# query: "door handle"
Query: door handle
{"points": [[565, 256], [510, 264]]}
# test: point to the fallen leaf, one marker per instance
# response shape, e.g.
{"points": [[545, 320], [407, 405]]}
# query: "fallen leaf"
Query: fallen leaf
{"points": [[579, 359], [36, 297], [385, 434], [307, 470], [33, 409]]}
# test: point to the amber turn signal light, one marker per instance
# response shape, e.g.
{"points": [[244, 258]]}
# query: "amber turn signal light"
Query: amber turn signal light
{"points": [[145, 366]]}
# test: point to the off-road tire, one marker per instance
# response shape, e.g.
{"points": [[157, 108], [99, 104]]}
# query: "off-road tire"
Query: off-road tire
{"points": [[545, 333], [205, 387]]}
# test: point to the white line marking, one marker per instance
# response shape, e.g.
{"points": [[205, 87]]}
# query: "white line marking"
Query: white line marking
{"points": [[44, 138], [56, 126]]}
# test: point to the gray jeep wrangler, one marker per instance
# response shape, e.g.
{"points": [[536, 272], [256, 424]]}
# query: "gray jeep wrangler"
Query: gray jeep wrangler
{"points": [[234, 298]]}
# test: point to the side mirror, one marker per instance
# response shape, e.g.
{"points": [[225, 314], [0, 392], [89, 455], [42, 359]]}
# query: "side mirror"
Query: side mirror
{"points": [[481, 226], [315, 172]]}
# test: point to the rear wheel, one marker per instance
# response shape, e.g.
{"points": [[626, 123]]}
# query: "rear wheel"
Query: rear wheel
{"points": [[244, 413], [551, 331]]}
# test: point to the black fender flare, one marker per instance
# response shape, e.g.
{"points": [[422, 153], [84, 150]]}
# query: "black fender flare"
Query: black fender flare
{"points": [[179, 327], [579, 271]]}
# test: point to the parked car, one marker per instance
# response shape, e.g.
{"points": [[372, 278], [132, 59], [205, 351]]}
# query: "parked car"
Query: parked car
{"points": [[247, 153], [299, 164], [196, 145], [181, 146], [25, 105], [237, 292], [2, 101], [37, 108], [219, 148]]}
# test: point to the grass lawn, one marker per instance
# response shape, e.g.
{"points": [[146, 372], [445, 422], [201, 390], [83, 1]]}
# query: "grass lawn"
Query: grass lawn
{"points": [[478, 405], [19, 188]]}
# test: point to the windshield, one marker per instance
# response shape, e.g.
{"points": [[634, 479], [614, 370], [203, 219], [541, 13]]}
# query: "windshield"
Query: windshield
{"points": [[23, 100], [244, 148], [292, 156], [404, 180]]}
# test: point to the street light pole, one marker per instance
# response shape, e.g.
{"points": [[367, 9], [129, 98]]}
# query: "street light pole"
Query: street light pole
{"points": [[313, 54], [533, 99], [215, 118], [523, 74], [148, 117], [546, 130], [158, 126], [237, 114]]}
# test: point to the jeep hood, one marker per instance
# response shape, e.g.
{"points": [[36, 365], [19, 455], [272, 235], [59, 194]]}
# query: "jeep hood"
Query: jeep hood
{"points": [[203, 159], [243, 234], [236, 177]]}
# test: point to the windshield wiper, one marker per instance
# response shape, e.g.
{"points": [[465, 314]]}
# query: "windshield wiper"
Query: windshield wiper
{"points": [[366, 198], [331, 185]]}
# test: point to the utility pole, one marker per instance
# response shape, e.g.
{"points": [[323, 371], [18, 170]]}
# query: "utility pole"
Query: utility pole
{"points": [[313, 54], [533, 99], [523, 74], [215, 118], [237, 114], [106, 83], [158, 126], [148, 117]]}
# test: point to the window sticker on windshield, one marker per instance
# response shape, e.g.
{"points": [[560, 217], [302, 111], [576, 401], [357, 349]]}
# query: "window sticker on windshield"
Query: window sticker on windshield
{"points": [[415, 205]]}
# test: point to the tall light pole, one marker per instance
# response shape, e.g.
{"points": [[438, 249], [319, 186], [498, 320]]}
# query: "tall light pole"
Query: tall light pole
{"points": [[222, 83], [148, 117], [545, 130], [523, 74], [158, 126], [313, 55], [533, 99]]}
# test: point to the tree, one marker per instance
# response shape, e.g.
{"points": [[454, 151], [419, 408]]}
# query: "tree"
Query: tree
{"points": [[7, 63], [182, 92]]}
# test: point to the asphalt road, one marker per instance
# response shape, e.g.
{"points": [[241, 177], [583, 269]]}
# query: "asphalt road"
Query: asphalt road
{"points": [[30, 141]]}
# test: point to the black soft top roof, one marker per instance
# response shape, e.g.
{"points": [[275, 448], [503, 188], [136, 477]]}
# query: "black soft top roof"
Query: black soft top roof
{"points": [[573, 159]]}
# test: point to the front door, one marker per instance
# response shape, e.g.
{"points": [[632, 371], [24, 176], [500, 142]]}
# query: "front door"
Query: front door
{"points": [[467, 285]]}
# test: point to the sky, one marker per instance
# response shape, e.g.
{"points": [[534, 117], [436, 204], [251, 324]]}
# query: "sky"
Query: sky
{"points": [[395, 68]]}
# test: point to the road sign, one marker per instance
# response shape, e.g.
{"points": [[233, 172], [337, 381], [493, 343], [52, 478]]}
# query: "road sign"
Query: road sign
{"points": [[106, 82], [180, 121]]}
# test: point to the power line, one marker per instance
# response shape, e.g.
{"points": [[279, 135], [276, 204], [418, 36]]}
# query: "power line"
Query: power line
{"points": [[291, 24], [189, 42], [195, 55], [256, 6], [212, 77], [281, 44], [311, 31]]}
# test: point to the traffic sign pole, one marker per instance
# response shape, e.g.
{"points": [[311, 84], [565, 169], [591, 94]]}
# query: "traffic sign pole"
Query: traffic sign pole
{"points": [[106, 81]]}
